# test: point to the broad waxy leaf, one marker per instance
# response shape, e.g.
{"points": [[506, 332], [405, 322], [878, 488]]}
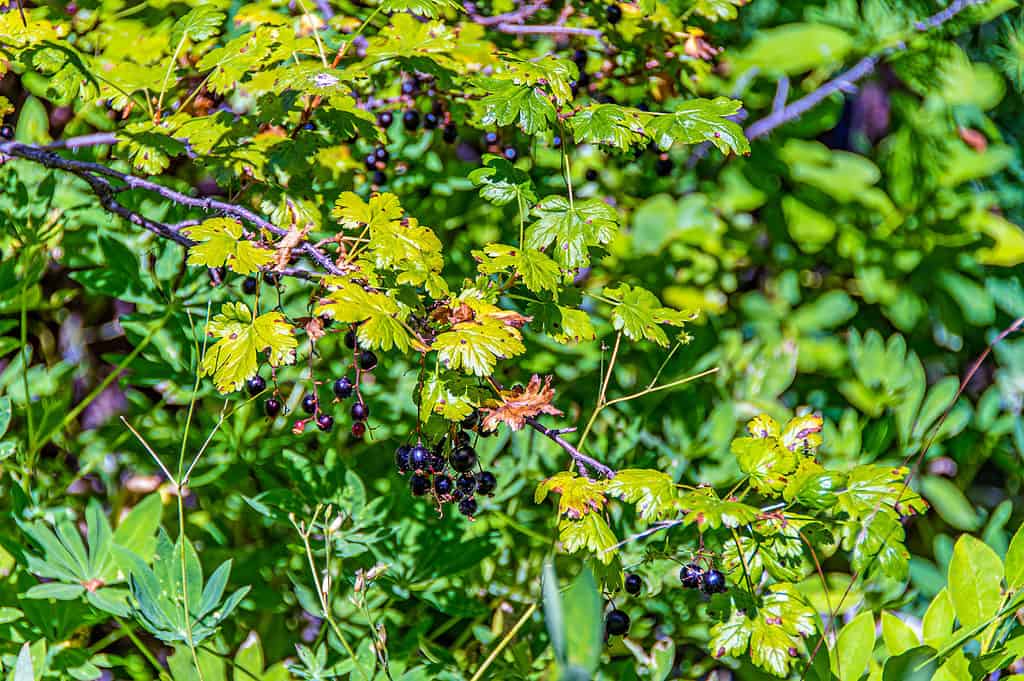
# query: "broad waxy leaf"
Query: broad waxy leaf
{"points": [[638, 313], [232, 359], [221, 243], [573, 230], [975, 581]]}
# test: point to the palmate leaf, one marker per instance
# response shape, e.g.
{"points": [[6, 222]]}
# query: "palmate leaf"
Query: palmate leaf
{"points": [[476, 346], [579, 495], [449, 395], [591, 533], [610, 124], [573, 230], [696, 121], [378, 315], [202, 22], [230, 64], [653, 492], [564, 324], [423, 8], [232, 359], [874, 489], [549, 71], [638, 313], [525, 106], [704, 507], [221, 243], [537, 270], [766, 463], [502, 183]]}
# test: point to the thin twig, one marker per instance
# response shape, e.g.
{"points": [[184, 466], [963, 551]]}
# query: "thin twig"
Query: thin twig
{"points": [[581, 459], [521, 14]]}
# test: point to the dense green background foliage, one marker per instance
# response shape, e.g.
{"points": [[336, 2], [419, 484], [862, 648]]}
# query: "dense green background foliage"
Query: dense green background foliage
{"points": [[748, 250]]}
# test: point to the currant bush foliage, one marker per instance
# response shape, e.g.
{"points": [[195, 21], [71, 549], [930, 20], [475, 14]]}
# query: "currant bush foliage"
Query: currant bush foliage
{"points": [[459, 229]]}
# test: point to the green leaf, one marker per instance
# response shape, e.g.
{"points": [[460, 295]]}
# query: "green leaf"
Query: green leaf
{"points": [[56, 591], [794, 48], [476, 346], [766, 463], [950, 503], [898, 636], [379, 316], [522, 105], [581, 604], [853, 647], [5, 414], [537, 270], [423, 8], [221, 243], [232, 359], [23, 668], [638, 313], [1015, 561], [591, 533], [715, 10], [554, 612], [699, 120], [937, 623], [617, 126], [573, 230], [137, 531], [452, 396], [501, 183], [653, 492], [975, 576], [204, 21], [703, 507]]}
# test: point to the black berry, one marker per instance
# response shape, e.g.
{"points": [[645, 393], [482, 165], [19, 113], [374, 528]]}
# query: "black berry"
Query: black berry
{"points": [[510, 153], [272, 407], [616, 623], [419, 484], [436, 463], [411, 120], [384, 119], [579, 57], [309, 126], [613, 13], [367, 360], [350, 339], [370, 161], [463, 459], [360, 412], [486, 483], [450, 133], [325, 422], [467, 507], [461, 438], [255, 385], [690, 575], [249, 285], [467, 483], [443, 486], [633, 584], [343, 388], [7, 132], [556, 141], [382, 154], [430, 121], [358, 429], [402, 458], [490, 138], [309, 403], [592, 175], [663, 166], [410, 87], [379, 177], [469, 423], [714, 582], [419, 458]]}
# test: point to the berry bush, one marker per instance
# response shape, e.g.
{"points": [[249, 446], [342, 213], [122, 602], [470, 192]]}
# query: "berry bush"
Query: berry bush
{"points": [[418, 339]]}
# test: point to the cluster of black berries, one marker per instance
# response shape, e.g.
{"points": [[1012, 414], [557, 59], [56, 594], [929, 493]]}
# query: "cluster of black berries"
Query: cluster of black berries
{"points": [[447, 472], [6, 132], [710, 581], [616, 622], [412, 119], [343, 389], [492, 143]]}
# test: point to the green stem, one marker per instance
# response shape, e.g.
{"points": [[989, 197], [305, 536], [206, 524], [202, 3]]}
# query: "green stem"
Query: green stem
{"points": [[167, 74], [504, 642], [26, 354], [146, 652]]}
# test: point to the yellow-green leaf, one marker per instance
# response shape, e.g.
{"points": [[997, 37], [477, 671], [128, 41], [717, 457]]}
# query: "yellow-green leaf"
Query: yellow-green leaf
{"points": [[220, 243], [232, 359]]}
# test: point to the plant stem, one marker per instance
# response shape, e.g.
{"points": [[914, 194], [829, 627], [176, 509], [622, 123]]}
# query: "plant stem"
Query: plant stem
{"points": [[504, 642]]}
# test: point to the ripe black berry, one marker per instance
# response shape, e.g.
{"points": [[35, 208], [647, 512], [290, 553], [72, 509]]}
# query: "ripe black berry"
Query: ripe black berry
{"points": [[367, 360], [443, 485], [402, 458], [309, 126], [419, 458], [616, 623], [463, 459], [467, 483], [309, 403], [579, 57], [461, 438], [410, 87], [469, 423], [411, 120], [633, 584], [350, 339], [7, 132], [360, 412], [436, 463], [358, 429], [450, 133], [511, 153], [592, 175], [467, 507], [556, 141], [249, 285], [430, 121], [690, 575], [384, 119], [490, 138], [272, 407], [486, 483], [419, 484], [343, 388], [382, 154], [663, 166], [613, 13], [255, 385], [379, 178], [370, 161], [714, 582], [325, 422]]}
